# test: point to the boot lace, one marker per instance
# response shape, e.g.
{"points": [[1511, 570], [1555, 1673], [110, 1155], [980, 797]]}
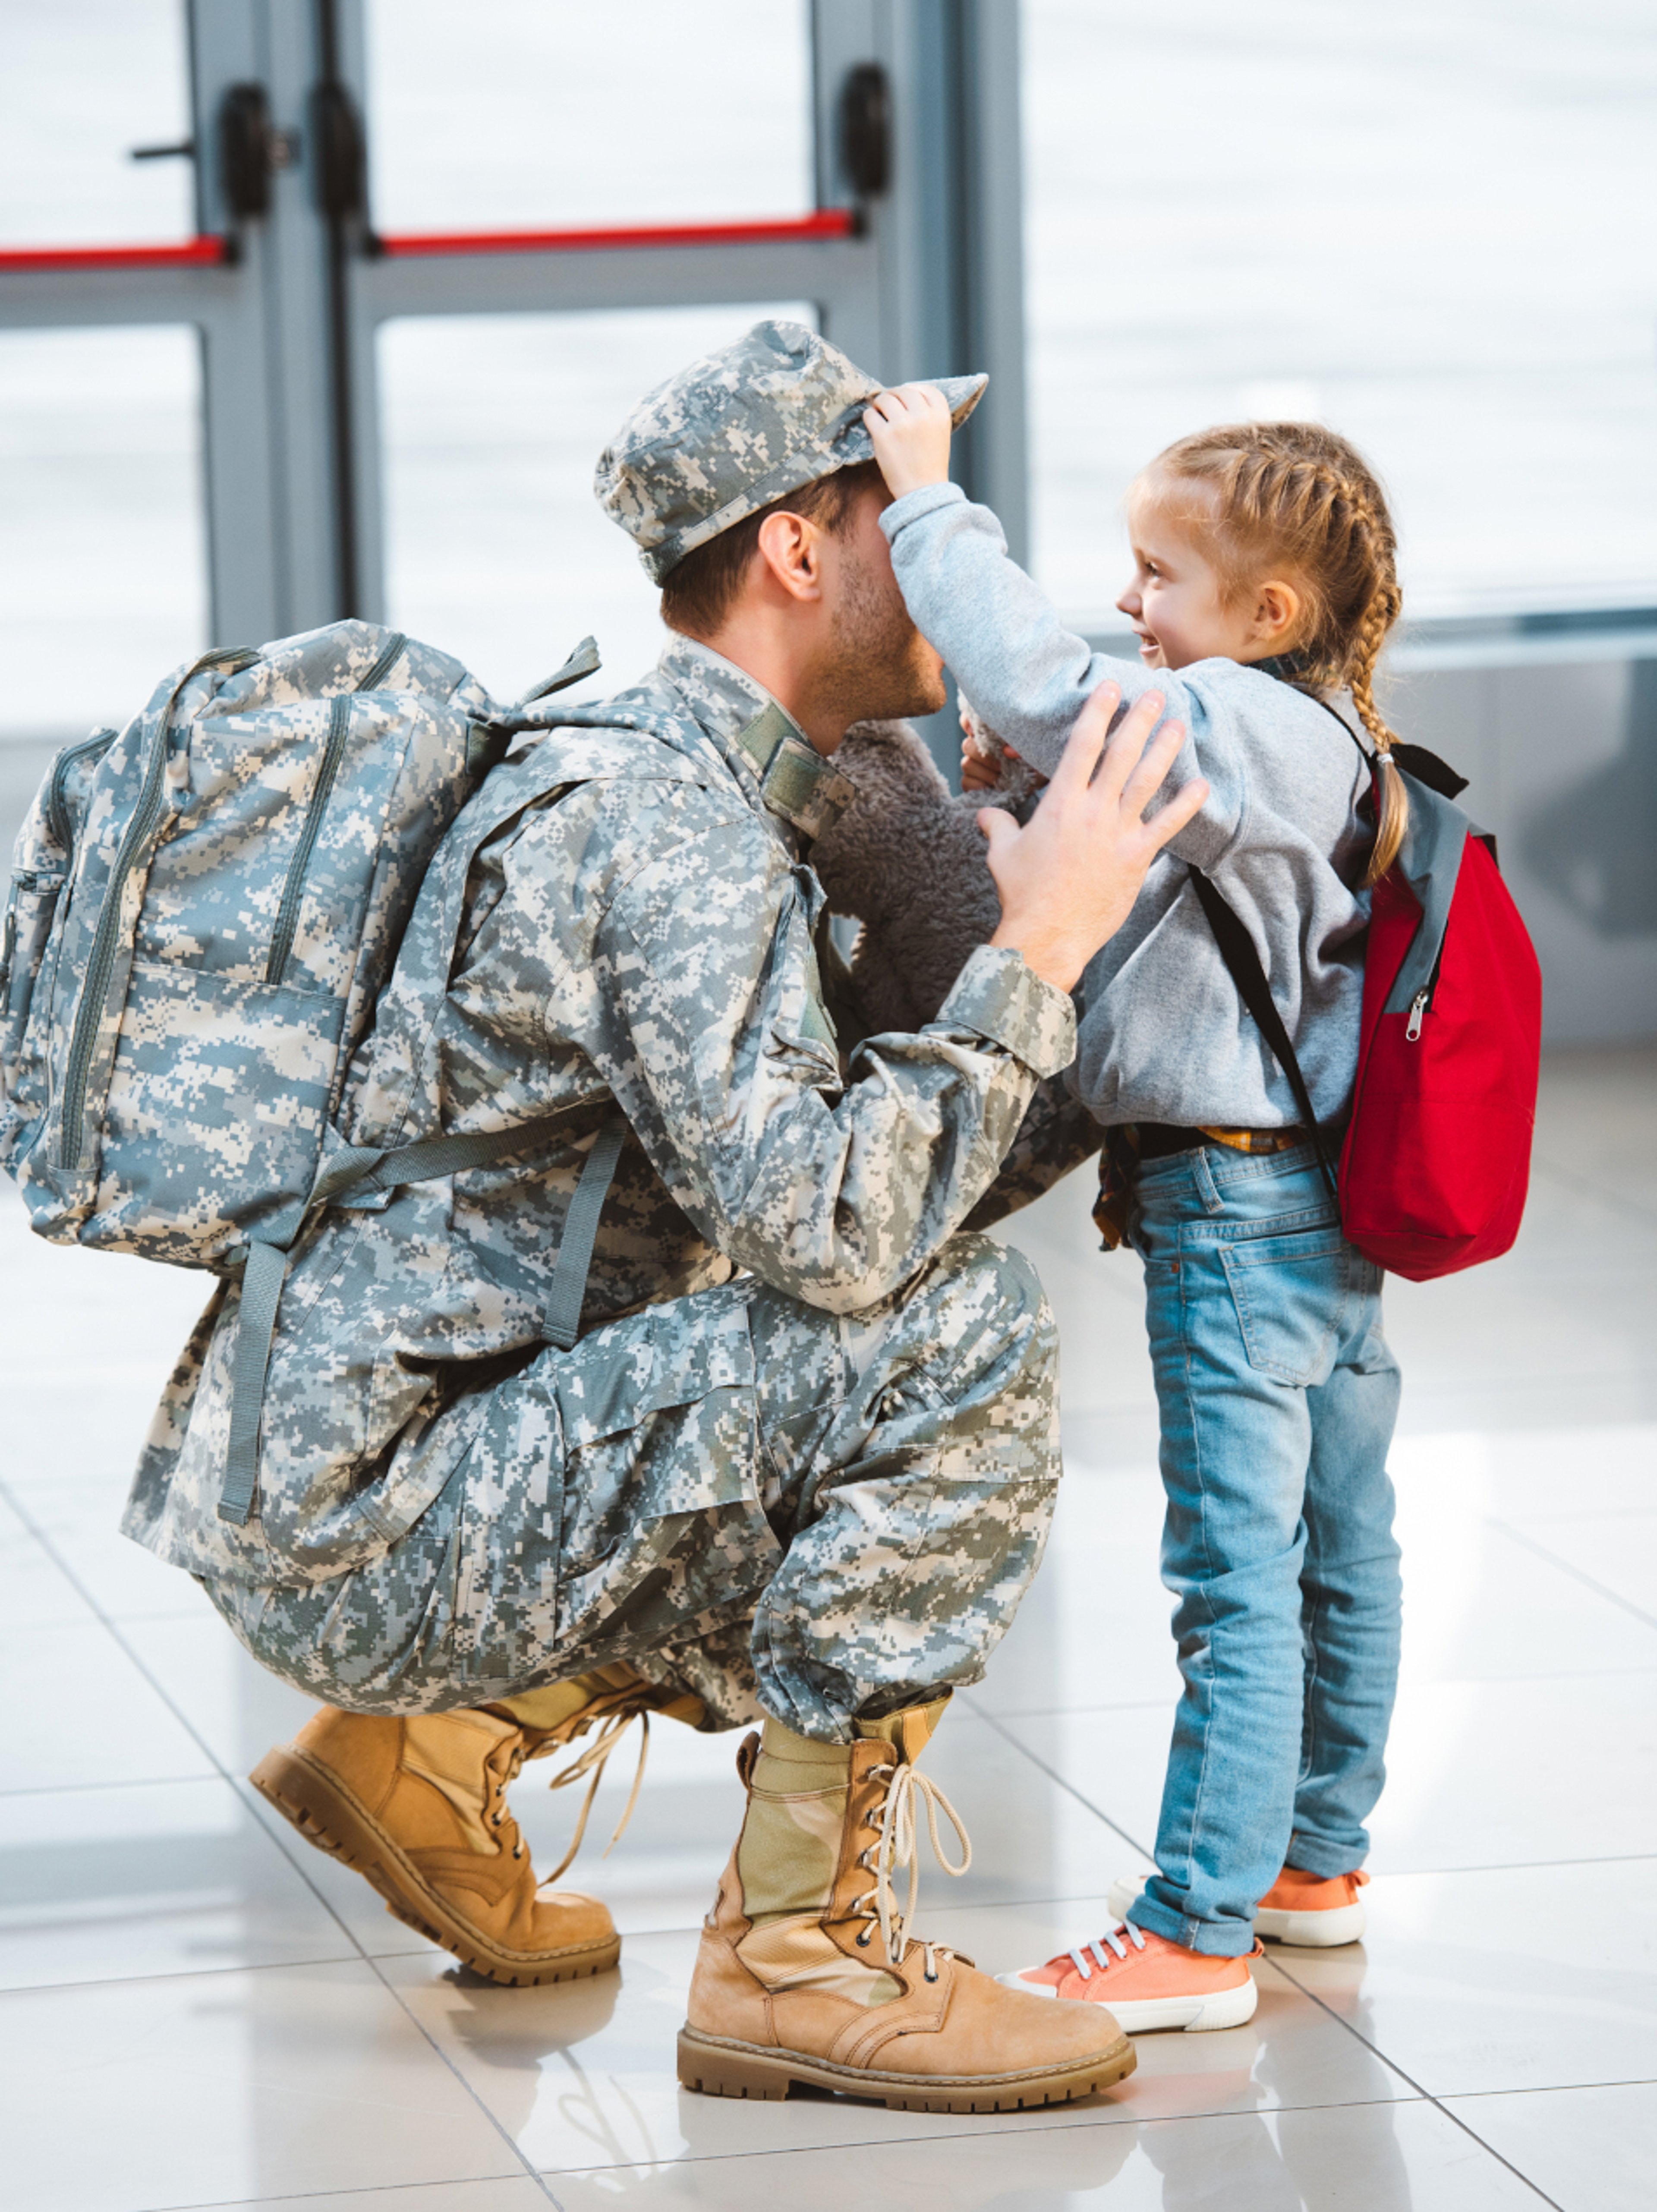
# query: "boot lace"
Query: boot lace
{"points": [[591, 1761], [897, 1846], [1113, 1939]]}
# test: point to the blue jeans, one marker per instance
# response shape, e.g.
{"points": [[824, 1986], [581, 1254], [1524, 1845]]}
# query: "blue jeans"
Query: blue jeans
{"points": [[1277, 1395]]}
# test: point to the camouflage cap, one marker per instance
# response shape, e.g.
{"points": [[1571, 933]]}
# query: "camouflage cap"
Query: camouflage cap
{"points": [[736, 429]]}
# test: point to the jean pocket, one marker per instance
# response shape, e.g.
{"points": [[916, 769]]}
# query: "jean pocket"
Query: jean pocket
{"points": [[1290, 1293]]}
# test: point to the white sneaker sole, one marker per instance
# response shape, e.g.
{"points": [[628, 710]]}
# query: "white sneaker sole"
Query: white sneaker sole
{"points": [[1312, 1931], [1308, 1931], [1142, 2016]]}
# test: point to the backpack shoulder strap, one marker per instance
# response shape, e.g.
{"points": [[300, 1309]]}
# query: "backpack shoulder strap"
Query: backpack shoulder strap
{"points": [[1243, 966], [354, 1172]]}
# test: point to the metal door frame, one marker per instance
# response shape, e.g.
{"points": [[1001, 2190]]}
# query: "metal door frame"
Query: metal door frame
{"points": [[922, 279]]}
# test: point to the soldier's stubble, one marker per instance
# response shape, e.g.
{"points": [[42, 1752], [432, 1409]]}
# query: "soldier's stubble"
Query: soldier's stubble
{"points": [[875, 664]]}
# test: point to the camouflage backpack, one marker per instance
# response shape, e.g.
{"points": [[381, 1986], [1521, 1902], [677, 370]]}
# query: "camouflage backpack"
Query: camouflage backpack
{"points": [[204, 908]]}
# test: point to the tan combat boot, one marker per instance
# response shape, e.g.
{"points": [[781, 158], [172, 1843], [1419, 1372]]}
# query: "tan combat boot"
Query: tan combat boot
{"points": [[419, 1807], [807, 1972]]}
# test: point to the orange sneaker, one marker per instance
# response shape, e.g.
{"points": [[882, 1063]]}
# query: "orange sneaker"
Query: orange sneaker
{"points": [[1146, 1981], [1305, 1909]]}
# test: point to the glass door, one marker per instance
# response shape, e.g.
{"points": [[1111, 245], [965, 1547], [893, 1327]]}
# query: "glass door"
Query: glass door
{"points": [[348, 336], [562, 206], [103, 538]]}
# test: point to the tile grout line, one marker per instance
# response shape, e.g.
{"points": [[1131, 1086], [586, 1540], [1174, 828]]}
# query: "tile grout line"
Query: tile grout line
{"points": [[275, 1841], [335, 2195], [1557, 2088], [1045, 2119], [1068, 1787], [1054, 2119], [1565, 1567], [1455, 2118], [1437, 1681], [139, 1782], [444, 2058]]}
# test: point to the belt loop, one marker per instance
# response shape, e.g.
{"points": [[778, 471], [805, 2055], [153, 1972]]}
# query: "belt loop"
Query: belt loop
{"points": [[1207, 1188]]}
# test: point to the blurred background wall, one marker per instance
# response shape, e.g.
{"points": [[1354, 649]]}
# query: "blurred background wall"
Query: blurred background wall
{"points": [[351, 335]]}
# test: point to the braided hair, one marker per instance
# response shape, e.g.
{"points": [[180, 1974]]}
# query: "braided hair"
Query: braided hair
{"points": [[1297, 496]]}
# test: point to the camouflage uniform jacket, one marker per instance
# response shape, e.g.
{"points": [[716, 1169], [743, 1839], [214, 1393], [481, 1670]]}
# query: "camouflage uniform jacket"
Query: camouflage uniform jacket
{"points": [[625, 914]]}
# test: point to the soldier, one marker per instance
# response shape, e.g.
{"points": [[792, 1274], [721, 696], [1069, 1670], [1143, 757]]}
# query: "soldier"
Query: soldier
{"points": [[799, 1464]]}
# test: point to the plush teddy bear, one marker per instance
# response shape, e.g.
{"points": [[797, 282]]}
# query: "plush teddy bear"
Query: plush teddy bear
{"points": [[908, 860], [1017, 784]]}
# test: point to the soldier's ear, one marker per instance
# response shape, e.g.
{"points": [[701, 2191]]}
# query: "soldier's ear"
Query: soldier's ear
{"points": [[791, 547]]}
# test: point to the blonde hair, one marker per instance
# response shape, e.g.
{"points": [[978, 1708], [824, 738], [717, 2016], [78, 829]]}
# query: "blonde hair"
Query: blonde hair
{"points": [[1295, 496]]}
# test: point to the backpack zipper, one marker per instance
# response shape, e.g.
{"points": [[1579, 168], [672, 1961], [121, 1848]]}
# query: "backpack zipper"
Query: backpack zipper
{"points": [[88, 1013], [51, 880], [333, 752], [94, 987], [1422, 1000], [57, 822]]}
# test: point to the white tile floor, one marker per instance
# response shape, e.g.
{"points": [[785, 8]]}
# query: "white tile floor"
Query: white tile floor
{"points": [[197, 2011]]}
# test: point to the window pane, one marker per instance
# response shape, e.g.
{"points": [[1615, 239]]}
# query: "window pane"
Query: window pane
{"points": [[553, 113], [85, 80], [1434, 227], [102, 553], [496, 549]]}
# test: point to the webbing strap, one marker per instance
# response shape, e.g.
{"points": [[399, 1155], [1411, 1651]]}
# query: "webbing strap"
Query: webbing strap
{"points": [[256, 1325], [561, 1323], [360, 1169]]}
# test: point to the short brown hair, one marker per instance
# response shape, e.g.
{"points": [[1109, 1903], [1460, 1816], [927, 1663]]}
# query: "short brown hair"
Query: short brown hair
{"points": [[700, 593]]}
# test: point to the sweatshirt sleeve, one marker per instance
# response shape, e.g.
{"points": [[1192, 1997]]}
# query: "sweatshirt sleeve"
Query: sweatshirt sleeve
{"points": [[1027, 675]]}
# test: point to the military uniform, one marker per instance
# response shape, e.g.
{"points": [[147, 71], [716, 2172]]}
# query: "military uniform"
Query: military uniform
{"points": [[850, 1443], [805, 1450]]}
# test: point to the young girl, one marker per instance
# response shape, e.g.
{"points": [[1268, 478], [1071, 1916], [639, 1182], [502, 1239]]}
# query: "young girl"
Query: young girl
{"points": [[1263, 578]]}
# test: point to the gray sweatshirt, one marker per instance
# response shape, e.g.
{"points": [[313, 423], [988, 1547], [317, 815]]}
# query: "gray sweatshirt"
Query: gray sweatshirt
{"points": [[1164, 1036]]}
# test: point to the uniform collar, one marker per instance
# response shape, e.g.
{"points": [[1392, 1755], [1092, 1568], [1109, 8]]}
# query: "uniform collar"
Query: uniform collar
{"points": [[759, 739]]}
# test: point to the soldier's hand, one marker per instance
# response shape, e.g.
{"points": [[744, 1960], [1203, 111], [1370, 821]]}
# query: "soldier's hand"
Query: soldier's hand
{"points": [[1069, 879], [909, 430]]}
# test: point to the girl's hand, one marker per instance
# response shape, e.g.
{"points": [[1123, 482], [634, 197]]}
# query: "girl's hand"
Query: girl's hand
{"points": [[978, 773], [909, 430]]}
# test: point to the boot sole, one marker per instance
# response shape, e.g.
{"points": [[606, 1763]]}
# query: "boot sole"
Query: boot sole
{"points": [[721, 2069], [311, 1798]]}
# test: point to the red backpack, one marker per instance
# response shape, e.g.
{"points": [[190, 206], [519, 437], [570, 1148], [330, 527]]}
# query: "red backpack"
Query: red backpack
{"points": [[1437, 1162]]}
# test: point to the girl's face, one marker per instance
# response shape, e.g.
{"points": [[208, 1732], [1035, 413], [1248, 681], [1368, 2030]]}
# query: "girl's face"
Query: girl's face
{"points": [[1175, 601]]}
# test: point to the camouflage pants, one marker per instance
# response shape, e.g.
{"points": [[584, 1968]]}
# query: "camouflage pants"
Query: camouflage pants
{"points": [[772, 1507]]}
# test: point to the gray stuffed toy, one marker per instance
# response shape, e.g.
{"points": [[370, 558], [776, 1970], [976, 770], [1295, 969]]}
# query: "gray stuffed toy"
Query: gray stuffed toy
{"points": [[909, 859]]}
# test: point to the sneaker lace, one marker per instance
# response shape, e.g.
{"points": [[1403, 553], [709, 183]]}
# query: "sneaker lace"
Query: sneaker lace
{"points": [[591, 1761], [1113, 1939], [897, 1846]]}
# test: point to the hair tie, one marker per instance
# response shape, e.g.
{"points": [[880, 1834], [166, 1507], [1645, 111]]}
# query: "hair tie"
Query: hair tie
{"points": [[1384, 754]]}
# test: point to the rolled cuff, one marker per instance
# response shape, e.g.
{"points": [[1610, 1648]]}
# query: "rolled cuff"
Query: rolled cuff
{"points": [[1003, 999]]}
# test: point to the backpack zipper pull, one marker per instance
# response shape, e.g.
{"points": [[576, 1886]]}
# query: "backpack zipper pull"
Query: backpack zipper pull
{"points": [[1417, 1009]]}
